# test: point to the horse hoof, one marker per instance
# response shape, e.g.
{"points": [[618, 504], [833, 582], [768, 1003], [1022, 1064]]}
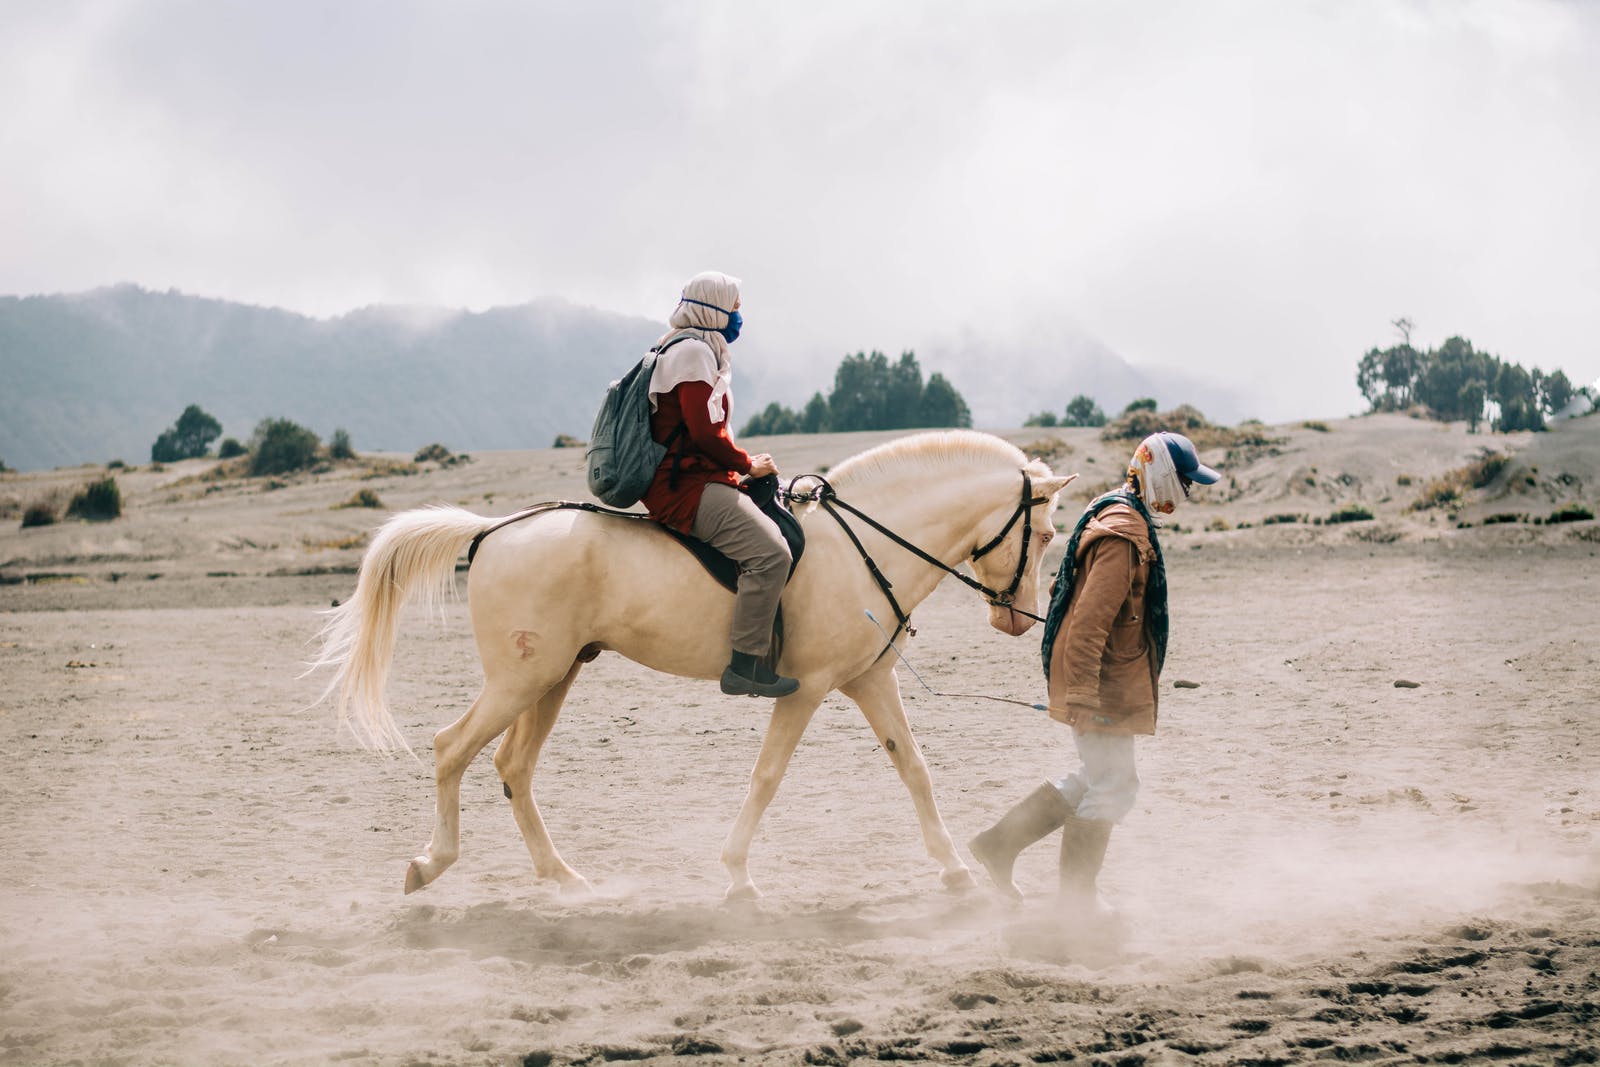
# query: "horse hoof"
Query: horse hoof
{"points": [[576, 888], [414, 879], [959, 880], [741, 894]]}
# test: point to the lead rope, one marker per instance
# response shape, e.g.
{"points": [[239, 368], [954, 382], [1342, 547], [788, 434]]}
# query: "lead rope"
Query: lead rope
{"points": [[948, 696]]}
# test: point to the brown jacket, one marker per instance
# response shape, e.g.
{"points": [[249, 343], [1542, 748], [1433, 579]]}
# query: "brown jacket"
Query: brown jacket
{"points": [[1103, 675]]}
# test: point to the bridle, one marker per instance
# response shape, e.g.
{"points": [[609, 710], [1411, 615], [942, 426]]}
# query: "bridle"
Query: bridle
{"points": [[829, 501]]}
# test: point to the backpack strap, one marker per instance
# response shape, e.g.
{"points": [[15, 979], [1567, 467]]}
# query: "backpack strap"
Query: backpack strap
{"points": [[682, 429]]}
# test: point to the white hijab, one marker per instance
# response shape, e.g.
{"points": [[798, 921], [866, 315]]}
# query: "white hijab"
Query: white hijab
{"points": [[705, 362], [1156, 474]]}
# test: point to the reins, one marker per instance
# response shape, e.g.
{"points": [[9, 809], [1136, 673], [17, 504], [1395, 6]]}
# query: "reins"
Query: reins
{"points": [[829, 500]]}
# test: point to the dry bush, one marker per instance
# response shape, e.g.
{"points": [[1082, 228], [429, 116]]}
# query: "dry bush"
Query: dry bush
{"points": [[1048, 449], [362, 498], [1349, 513], [1450, 489]]}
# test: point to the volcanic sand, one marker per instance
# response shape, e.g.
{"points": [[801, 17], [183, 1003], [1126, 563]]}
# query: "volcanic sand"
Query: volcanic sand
{"points": [[201, 868]]}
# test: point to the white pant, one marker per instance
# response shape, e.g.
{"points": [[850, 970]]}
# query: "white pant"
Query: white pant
{"points": [[1105, 785]]}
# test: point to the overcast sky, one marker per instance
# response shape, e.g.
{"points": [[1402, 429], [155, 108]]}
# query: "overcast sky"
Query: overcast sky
{"points": [[1250, 191]]}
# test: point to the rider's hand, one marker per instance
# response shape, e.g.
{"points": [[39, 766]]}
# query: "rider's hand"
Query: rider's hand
{"points": [[761, 465]]}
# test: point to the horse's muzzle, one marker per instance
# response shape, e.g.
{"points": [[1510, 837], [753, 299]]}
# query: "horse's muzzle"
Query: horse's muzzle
{"points": [[1007, 621]]}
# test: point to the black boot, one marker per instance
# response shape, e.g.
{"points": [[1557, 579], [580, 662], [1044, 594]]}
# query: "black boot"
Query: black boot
{"points": [[746, 675], [1038, 813]]}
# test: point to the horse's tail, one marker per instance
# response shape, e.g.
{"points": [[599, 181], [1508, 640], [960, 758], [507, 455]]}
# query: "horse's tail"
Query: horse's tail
{"points": [[413, 557]]}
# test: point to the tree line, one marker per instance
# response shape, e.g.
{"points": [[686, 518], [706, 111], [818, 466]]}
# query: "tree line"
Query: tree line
{"points": [[1458, 382], [870, 393]]}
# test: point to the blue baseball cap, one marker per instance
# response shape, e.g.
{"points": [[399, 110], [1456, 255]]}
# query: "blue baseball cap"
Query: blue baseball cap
{"points": [[1187, 460]]}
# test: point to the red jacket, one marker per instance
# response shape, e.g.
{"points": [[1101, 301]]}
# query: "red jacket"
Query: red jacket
{"points": [[704, 453]]}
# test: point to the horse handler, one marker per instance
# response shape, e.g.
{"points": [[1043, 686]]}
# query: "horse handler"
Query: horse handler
{"points": [[695, 490], [1105, 638]]}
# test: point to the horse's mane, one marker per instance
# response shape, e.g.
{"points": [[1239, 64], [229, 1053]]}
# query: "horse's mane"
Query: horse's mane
{"points": [[928, 454]]}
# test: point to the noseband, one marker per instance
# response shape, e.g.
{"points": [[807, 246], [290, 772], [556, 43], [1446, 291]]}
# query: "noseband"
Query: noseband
{"points": [[829, 501]]}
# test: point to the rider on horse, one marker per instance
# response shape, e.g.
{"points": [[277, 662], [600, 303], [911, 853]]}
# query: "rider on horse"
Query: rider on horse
{"points": [[695, 490]]}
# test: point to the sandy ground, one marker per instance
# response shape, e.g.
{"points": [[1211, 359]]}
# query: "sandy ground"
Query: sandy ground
{"points": [[201, 869]]}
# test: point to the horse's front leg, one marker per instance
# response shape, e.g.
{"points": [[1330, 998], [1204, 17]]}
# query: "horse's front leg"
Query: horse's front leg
{"points": [[878, 694], [515, 760], [790, 717]]}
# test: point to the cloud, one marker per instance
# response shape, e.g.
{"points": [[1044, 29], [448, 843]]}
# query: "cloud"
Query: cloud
{"points": [[1247, 190]]}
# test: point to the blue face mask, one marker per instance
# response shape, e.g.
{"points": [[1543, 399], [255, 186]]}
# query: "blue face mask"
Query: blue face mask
{"points": [[730, 332]]}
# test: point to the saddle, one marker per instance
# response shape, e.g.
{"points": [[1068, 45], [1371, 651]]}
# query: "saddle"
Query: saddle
{"points": [[763, 491]]}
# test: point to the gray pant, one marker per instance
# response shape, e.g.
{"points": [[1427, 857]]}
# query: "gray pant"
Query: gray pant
{"points": [[1105, 786], [730, 522]]}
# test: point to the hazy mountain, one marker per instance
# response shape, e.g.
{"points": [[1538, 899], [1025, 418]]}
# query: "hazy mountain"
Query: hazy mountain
{"points": [[1007, 374], [97, 376]]}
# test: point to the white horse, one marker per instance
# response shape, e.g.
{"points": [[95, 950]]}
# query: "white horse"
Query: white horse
{"points": [[548, 592]]}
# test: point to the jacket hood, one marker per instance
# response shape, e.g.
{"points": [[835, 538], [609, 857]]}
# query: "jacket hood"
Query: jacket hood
{"points": [[1118, 520]]}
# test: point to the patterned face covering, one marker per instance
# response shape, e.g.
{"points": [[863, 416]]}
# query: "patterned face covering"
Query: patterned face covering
{"points": [[1152, 470]]}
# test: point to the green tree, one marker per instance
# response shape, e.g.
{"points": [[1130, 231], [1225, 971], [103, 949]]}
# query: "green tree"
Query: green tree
{"points": [[1044, 418], [775, 418], [189, 438], [1144, 403], [815, 418], [860, 396], [1514, 392], [1555, 392], [1083, 411], [903, 394], [942, 405], [1473, 394], [339, 446]]}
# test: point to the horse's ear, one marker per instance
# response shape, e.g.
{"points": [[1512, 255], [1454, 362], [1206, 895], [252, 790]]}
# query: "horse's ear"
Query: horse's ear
{"points": [[1053, 485]]}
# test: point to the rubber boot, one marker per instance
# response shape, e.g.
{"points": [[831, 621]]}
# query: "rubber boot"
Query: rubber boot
{"points": [[1036, 815], [1083, 853], [746, 675]]}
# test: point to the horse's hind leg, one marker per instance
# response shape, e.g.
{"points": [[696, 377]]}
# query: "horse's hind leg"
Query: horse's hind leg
{"points": [[515, 760], [453, 749], [878, 694]]}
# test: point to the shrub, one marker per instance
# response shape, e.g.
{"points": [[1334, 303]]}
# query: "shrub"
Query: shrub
{"points": [[363, 498], [339, 446], [1451, 488], [1144, 403], [566, 440], [434, 453], [1504, 517], [3, 467], [39, 513], [230, 448], [98, 501], [1279, 520], [1350, 513], [1319, 427], [1218, 524], [1048, 449], [1570, 513], [280, 446], [116, 465]]}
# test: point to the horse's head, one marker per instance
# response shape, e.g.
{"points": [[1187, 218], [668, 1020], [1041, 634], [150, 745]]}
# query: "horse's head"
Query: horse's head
{"points": [[1010, 544]]}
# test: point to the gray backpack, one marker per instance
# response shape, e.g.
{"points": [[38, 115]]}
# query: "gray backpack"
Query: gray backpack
{"points": [[622, 457]]}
